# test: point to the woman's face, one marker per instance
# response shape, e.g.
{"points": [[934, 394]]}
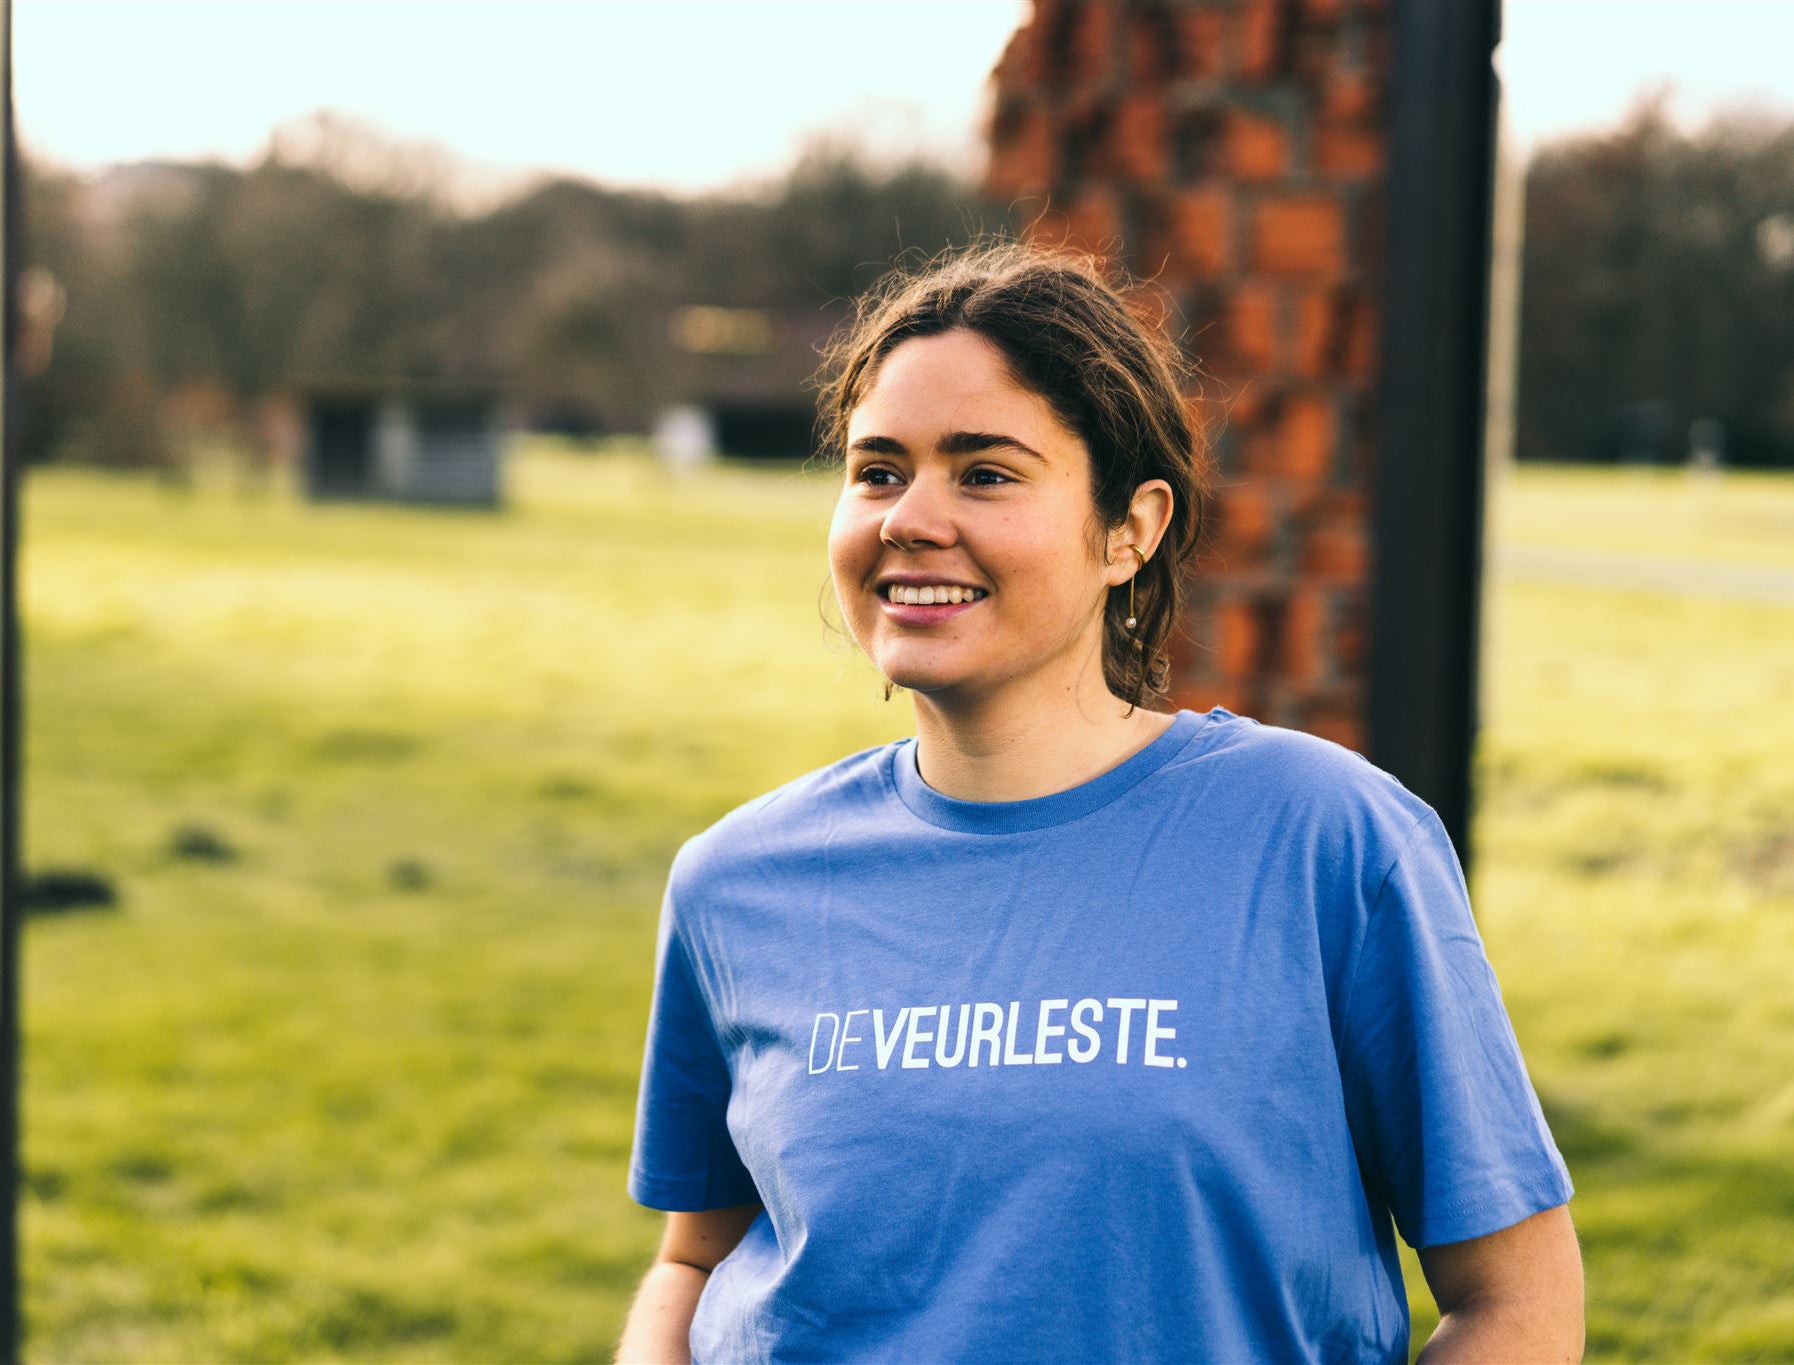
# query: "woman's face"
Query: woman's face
{"points": [[957, 476]]}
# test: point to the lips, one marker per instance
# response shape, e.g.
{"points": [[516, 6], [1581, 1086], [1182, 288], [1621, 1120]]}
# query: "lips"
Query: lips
{"points": [[908, 614], [911, 594]]}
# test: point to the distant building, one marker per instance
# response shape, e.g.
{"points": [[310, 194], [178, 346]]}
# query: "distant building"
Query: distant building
{"points": [[403, 440], [744, 375]]}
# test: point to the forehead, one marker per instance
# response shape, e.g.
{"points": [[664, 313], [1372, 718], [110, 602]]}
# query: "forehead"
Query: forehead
{"points": [[956, 381]]}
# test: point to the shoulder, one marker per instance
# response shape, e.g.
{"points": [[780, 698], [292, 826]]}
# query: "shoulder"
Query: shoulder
{"points": [[786, 817], [1350, 809]]}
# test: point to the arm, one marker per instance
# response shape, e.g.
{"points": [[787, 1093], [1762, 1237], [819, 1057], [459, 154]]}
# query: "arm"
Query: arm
{"points": [[1514, 1295], [657, 1330]]}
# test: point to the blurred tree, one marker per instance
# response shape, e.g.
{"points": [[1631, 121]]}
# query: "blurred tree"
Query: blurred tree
{"points": [[84, 392], [1655, 292], [341, 252], [841, 219]]}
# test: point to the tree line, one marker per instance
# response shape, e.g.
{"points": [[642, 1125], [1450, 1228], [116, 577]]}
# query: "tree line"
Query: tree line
{"points": [[1657, 284], [350, 258], [1657, 291]]}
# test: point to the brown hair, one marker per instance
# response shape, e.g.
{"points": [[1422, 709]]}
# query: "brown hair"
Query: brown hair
{"points": [[1069, 335]]}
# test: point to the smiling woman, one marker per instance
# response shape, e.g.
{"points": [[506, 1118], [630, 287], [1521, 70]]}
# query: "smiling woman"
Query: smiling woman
{"points": [[1005, 406], [958, 476], [1069, 1029]]}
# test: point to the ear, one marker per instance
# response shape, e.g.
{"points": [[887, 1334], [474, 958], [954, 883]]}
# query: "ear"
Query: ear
{"points": [[1148, 518]]}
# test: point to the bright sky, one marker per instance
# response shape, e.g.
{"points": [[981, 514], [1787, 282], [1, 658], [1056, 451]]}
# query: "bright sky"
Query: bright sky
{"points": [[1572, 64], [692, 95], [686, 96]]}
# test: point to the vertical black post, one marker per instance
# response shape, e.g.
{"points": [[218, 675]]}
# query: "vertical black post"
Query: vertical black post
{"points": [[1426, 587], [11, 908]]}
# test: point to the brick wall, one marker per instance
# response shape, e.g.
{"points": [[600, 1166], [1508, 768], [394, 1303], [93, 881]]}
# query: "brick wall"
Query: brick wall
{"points": [[1232, 152]]}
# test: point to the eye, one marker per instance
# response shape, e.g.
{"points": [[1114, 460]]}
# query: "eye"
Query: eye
{"points": [[984, 476]]}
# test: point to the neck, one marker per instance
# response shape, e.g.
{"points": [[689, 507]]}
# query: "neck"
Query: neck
{"points": [[1032, 737]]}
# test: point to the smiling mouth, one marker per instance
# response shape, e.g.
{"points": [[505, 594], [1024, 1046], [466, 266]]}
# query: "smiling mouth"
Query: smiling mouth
{"points": [[923, 614], [900, 594]]}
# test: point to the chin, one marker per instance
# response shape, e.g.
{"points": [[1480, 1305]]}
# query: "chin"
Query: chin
{"points": [[937, 681], [922, 678]]}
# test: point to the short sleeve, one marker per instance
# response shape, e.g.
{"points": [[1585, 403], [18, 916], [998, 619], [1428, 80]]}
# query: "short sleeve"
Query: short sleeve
{"points": [[683, 1157], [1448, 1128]]}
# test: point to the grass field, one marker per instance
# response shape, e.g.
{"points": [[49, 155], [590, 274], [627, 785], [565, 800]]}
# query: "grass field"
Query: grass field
{"points": [[386, 796]]}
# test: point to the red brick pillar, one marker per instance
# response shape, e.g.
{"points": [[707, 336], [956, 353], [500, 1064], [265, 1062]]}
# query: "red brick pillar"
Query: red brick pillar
{"points": [[1233, 152]]}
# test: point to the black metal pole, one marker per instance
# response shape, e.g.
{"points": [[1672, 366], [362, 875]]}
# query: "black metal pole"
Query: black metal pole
{"points": [[11, 907], [1426, 589]]}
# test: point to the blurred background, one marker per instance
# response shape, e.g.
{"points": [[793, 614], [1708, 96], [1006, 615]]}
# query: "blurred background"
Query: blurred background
{"points": [[419, 541]]}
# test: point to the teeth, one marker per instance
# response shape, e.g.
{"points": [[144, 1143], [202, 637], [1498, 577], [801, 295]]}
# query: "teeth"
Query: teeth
{"points": [[933, 594]]}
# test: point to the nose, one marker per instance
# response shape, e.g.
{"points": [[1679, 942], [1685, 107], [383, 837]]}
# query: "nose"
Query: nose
{"points": [[923, 515]]}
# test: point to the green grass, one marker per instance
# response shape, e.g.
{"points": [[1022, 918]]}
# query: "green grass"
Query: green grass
{"points": [[1742, 517], [360, 1086]]}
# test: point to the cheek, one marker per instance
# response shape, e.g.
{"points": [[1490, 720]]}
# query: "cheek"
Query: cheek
{"points": [[1049, 562], [852, 544]]}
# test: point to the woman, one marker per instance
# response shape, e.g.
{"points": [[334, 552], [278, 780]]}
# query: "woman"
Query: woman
{"points": [[1070, 1029]]}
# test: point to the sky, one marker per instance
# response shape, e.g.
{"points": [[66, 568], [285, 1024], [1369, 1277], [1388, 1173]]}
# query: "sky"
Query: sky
{"points": [[690, 96], [1569, 65], [682, 96]]}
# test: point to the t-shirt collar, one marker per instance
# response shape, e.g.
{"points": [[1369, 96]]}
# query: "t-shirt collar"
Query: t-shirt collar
{"points": [[1039, 812]]}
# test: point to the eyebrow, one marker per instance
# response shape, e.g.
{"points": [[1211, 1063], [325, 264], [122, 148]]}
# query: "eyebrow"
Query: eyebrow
{"points": [[954, 443]]}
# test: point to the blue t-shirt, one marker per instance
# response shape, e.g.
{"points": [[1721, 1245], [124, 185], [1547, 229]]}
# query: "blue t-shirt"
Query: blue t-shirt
{"points": [[1137, 1071]]}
